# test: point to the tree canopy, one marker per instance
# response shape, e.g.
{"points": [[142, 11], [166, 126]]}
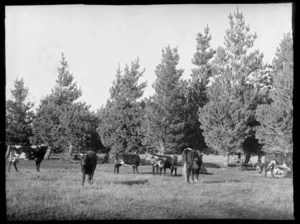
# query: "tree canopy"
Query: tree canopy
{"points": [[228, 118], [120, 119], [276, 119], [61, 121], [19, 115], [163, 124]]}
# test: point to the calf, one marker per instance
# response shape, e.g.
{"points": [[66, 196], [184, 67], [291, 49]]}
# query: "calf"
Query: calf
{"points": [[165, 162], [17, 153], [88, 162], [127, 159], [192, 161]]}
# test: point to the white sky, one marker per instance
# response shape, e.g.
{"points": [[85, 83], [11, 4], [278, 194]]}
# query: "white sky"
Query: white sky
{"points": [[94, 39]]}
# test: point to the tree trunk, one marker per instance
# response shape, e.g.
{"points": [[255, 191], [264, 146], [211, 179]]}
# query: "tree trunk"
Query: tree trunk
{"points": [[259, 158], [248, 156], [68, 153]]}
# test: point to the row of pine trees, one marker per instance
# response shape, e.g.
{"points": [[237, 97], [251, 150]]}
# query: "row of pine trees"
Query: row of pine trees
{"points": [[232, 102]]}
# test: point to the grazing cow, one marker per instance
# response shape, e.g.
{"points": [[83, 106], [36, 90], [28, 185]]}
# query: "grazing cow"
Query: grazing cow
{"points": [[127, 159], [88, 162], [37, 153], [279, 159], [277, 171], [164, 162], [192, 161]]}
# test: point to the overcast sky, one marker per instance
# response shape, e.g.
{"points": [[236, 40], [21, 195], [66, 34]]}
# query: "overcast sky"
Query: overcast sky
{"points": [[95, 39]]}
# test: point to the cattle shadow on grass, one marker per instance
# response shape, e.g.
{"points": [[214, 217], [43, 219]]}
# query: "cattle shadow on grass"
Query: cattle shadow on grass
{"points": [[211, 165], [220, 181], [131, 182]]}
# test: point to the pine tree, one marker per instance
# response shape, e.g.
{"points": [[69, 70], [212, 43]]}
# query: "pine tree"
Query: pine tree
{"points": [[276, 119], [19, 115], [62, 123], [241, 79], [164, 122], [196, 90], [120, 119]]}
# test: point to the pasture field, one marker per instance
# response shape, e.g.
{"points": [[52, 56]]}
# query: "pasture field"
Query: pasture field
{"points": [[56, 193]]}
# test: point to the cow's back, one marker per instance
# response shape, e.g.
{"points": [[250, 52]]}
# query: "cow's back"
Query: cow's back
{"points": [[129, 158], [187, 157]]}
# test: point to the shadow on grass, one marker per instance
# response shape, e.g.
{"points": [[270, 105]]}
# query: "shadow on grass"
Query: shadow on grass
{"points": [[221, 181], [211, 165], [131, 182], [162, 174]]}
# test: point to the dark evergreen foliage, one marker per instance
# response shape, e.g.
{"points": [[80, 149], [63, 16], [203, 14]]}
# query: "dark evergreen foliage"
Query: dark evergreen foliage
{"points": [[19, 115]]}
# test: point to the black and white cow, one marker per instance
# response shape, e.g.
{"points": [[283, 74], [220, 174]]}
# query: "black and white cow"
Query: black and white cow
{"points": [[17, 153], [163, 162], [192, 161], [127, 159], [277, 170]]}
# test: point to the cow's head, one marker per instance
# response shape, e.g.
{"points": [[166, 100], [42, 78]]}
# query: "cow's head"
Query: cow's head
{"points": [[121, 161], [271, 165], [161, 162], [83, 159]]}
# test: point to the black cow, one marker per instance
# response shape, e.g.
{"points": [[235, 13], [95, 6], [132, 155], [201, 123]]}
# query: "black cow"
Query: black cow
{"points": [[164, 162], [88, 162], [37, 153], [127, 159], [192, 161]]}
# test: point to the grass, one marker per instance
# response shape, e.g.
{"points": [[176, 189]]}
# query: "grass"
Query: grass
{"points": [[56, 194]]}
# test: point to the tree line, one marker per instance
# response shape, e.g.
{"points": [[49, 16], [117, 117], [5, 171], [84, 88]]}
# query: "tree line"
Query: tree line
{"points": [[232, 102]]}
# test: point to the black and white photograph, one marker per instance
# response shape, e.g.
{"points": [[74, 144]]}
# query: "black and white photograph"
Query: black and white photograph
{"points": [[149, 112]]}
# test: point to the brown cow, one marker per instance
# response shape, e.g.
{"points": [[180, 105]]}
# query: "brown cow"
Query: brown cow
{"points": [[192, 161]]}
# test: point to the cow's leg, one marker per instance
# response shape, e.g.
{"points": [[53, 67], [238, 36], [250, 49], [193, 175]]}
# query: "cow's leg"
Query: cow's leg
{"points": [[91, 177], [171, 171], [164, 170], [133, 167], [188, 171], [83, 178], [38, 163], [193, 174], [175, 171], [272, 172], [137, 170], [15, 165], [266, 169], [160, 170], [9, 165], [117, 168], [197, 174]]}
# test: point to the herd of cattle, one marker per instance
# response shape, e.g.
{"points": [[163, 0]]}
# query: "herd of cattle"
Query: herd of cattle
{"points": [[277, 164]]}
